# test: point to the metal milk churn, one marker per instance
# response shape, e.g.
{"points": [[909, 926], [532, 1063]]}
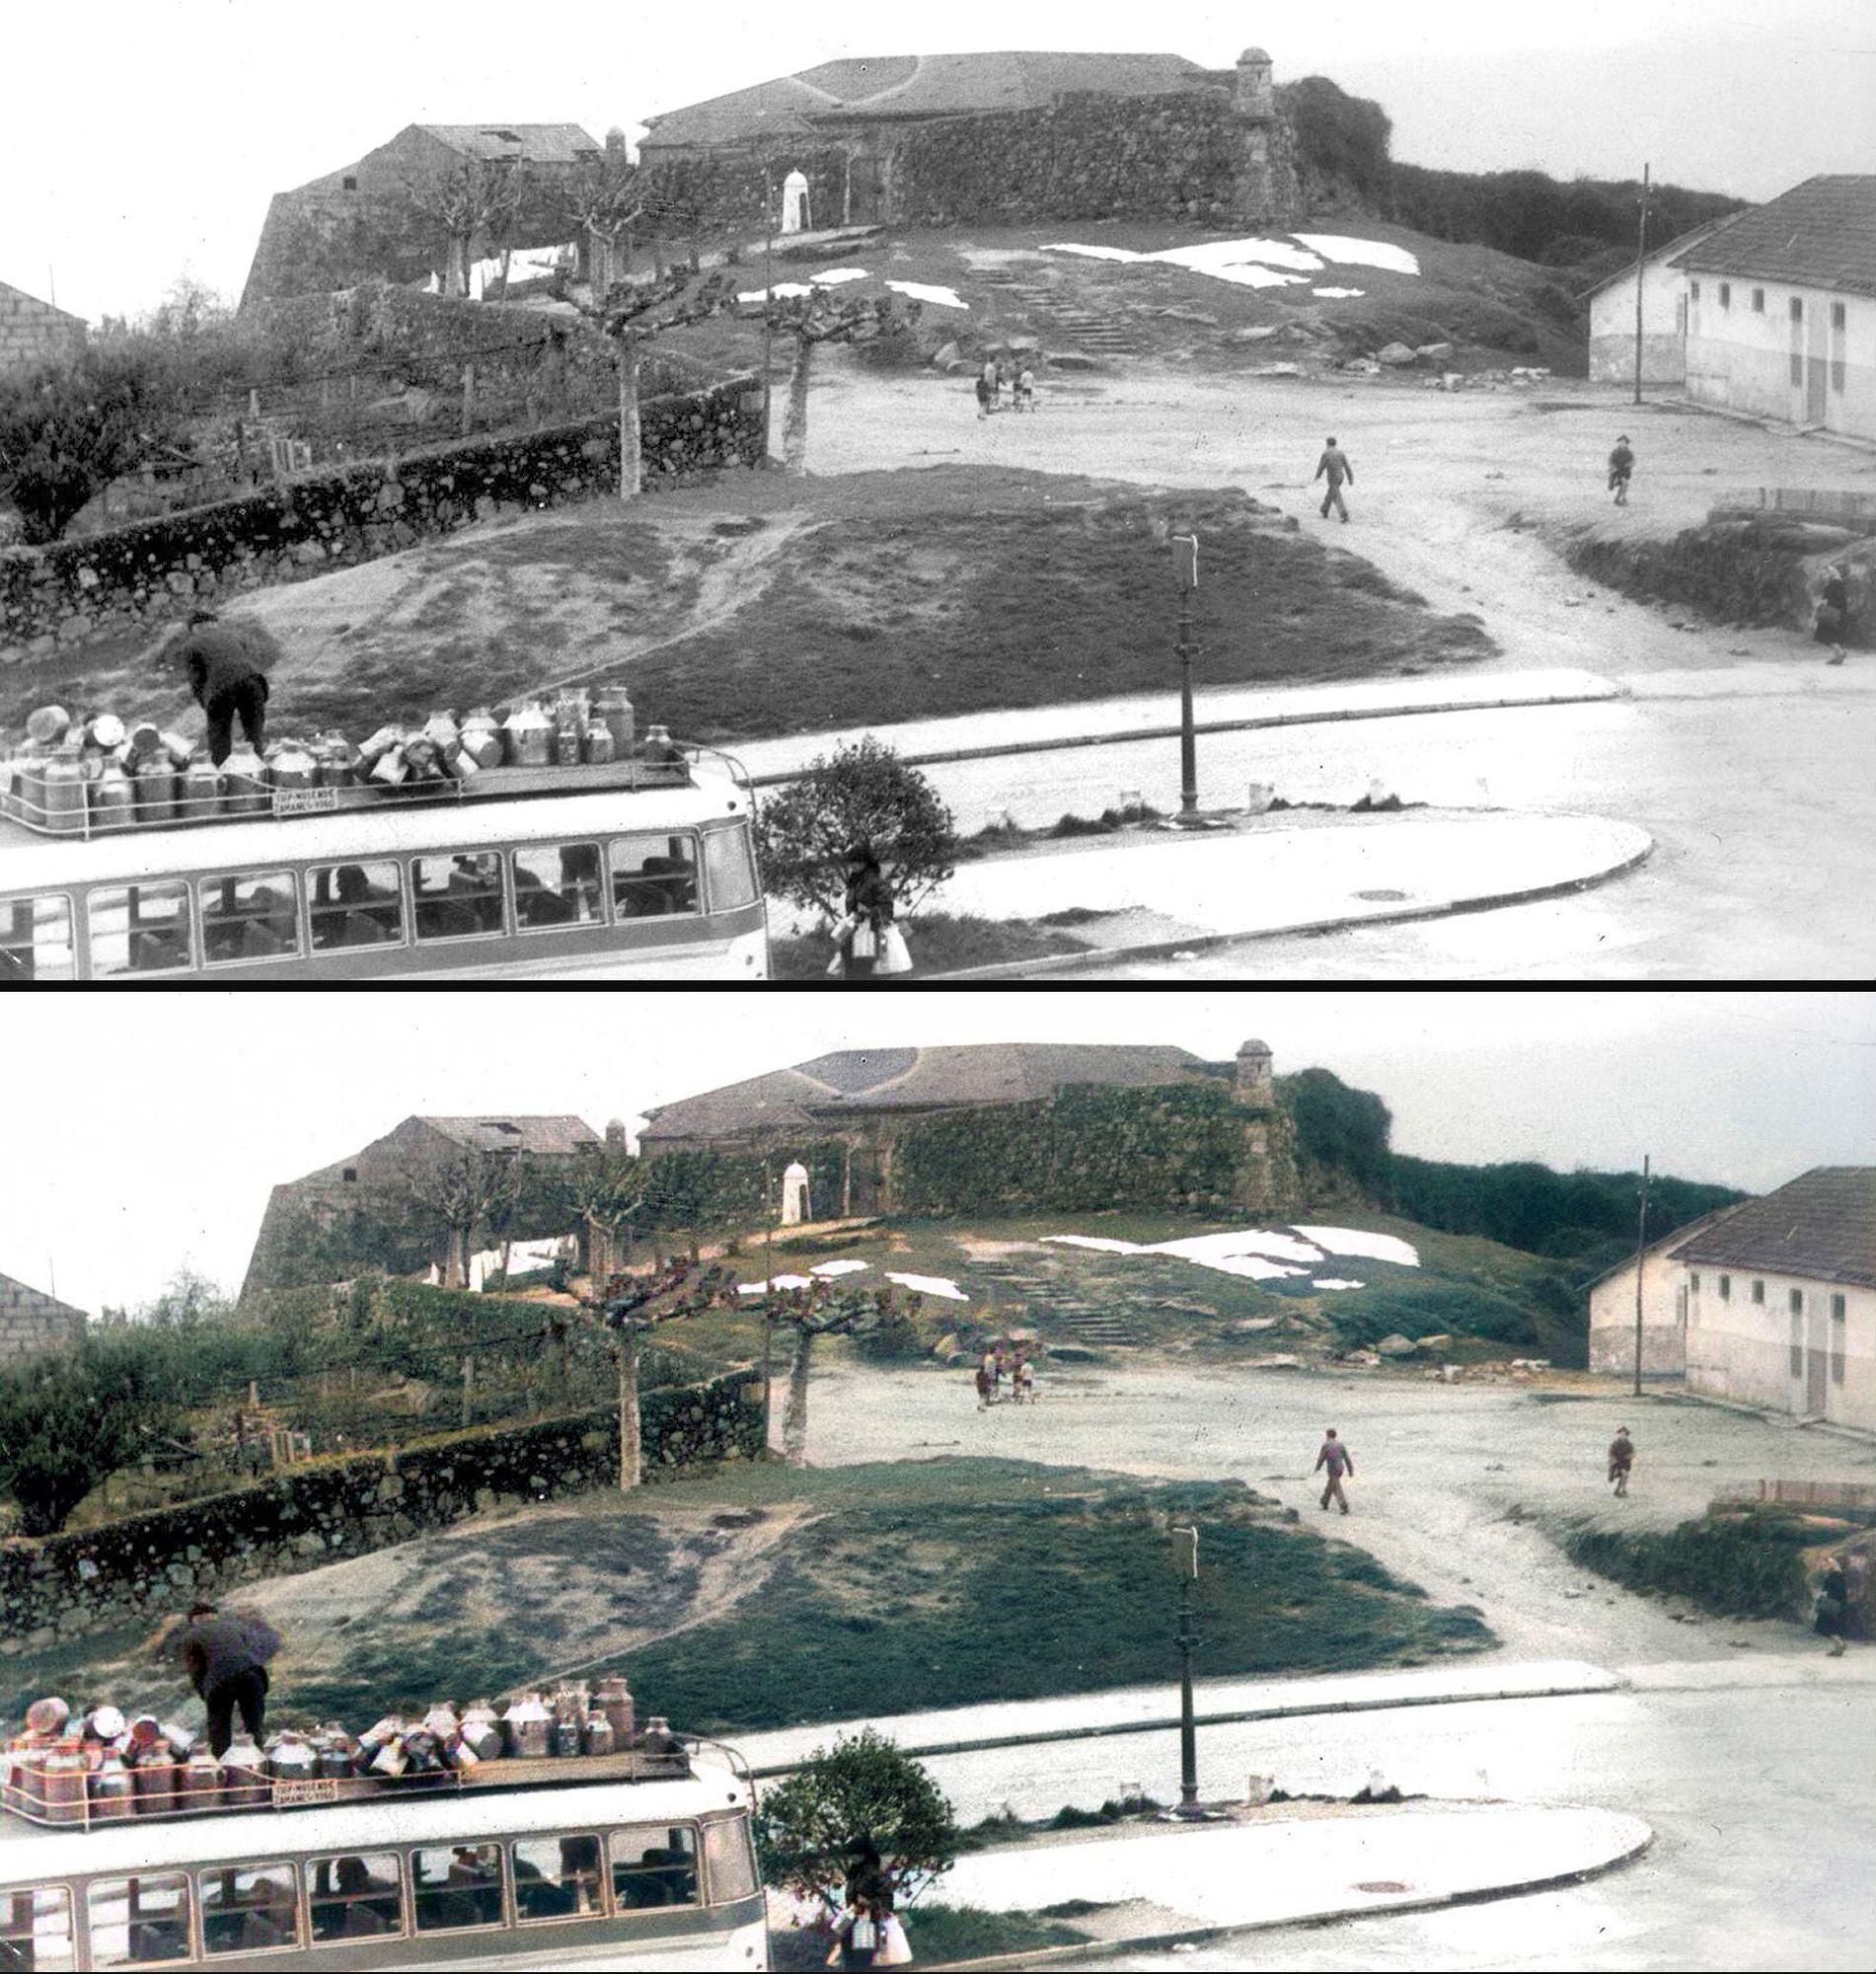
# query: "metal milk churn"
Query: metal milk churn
{"points": [[337, 1753], [61, 1783], [112, 1787], [244, 1774], [153, 781], [112, 799], [482, 1731], [48, 725], [290, 1759], [481, 738], [596, 1736], [201, 1780], [528, 735], [337, 766], [613, 708], [599, 749], [613, 1696], [243, 788], [291, 765], [568, 736], [62, 799], [202, 787], [530, 1727], [153, 1767]]}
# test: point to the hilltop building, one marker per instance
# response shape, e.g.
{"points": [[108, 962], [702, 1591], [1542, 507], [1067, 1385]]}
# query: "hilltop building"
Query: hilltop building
{"points": [[375, 1179], [33, 1322], [1664, 1309], [1663, 316], [868, 1100], [359, 223], [1781, 308], [35, 332]]}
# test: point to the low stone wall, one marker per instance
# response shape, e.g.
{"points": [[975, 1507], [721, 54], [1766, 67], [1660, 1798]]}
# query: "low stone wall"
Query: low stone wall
{"points": [[153, 572], [145, 1567]]}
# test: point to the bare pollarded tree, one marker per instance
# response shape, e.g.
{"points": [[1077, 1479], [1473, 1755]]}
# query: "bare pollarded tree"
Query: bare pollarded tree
{"points": [[478, 199], [825, 315]]}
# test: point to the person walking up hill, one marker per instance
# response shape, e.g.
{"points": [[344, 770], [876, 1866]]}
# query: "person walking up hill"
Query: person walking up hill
{"points": [[1339, 1461], [1333, 463]]}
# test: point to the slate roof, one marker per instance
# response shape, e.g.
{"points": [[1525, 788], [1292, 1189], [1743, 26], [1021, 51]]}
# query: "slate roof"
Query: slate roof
{"points": [[857, 1082], [864, 88], [1820, 234], [547, 1135], [1822, 1226], [539, 143], [1666, 253], [1667, 1243]]}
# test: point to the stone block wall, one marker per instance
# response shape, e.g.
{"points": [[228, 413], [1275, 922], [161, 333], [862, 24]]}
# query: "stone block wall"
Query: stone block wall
{"points": [[151, 573], [35, 332], [145, 1567], [32, 1323]]}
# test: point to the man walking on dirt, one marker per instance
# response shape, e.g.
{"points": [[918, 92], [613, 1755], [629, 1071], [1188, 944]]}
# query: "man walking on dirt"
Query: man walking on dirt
{"points": [[1622, 1457], [1621, 463], [1334, 462], [1335, 1455]]}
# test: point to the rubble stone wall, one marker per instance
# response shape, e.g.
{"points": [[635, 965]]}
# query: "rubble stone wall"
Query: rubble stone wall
{"points": [[30, 1323], [145, 1567], [151, 573]]}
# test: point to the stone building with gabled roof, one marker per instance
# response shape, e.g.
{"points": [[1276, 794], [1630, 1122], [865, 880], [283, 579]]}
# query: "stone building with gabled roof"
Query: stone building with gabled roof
{"points": [[1781, 308], [370, 1181], [35, 332], [1781, 1298], [358, 223], [33, 1322]]}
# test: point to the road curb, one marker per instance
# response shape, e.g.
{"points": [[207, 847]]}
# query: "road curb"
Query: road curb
{"points": [[1048, 1956], [1302, 1710], [948, 756], [1163, 949]]}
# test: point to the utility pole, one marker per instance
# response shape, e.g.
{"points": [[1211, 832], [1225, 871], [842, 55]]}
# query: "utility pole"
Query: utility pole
{"points": [[1186, 557], [1641, 1252], [768, 294], [1641, 255], [1185, 1557]]}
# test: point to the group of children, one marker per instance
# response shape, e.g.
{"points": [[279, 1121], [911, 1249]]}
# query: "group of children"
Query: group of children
{"points": [[990, 1379], [990, 386]]}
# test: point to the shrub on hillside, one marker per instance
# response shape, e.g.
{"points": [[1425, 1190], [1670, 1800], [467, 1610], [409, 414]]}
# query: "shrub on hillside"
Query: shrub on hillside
{"points": [[1413, 1309], [1745, 1566]]}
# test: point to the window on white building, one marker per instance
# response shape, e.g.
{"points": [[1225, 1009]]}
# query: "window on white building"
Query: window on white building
{"points": [[1795, 1302], [1837, 1340], [1726, 1288], [1694, 1283], [1726, 294], [1797, 309], [1758, 1292], [1797, 1346], [1693, 288], [1758, 301]]}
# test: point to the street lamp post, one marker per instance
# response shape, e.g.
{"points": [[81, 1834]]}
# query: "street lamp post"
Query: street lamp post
{"points": [[1185, 1557], [1185, 553]]}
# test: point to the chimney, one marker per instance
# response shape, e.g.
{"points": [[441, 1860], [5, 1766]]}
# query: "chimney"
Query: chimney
{"points": [[1251, 1086]]}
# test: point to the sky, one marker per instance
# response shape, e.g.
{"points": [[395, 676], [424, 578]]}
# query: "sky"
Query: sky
{"points": [[143, 137], [146, 1130]]}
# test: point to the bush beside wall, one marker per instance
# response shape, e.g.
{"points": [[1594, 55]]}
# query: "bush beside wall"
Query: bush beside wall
{"points": [[148, 1565]]}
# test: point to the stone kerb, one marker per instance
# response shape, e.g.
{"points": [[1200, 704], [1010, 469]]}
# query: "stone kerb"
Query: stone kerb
{"points": [[143, 1566], [52, 598]]}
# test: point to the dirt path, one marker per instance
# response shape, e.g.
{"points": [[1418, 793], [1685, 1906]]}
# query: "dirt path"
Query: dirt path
{"points": [[1459, 1489]]}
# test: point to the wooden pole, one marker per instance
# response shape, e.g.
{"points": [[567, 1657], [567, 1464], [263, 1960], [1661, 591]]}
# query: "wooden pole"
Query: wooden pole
{"points": [[1641, 255], [1641, 1256], [468, 1373]]}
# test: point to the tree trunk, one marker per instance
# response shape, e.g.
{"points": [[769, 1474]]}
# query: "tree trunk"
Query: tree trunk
{"points": [[794, 421], [455, 1259], [795, 1414], [455, 268], [768, 1376], [630, 1473], [630, 441]]}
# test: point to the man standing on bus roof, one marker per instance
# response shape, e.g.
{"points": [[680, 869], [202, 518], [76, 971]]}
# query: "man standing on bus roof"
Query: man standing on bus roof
{"points": [[225, 680], [226, 1659]]}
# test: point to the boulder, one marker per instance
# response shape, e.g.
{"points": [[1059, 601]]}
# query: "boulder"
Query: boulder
{"points": [[1440, 1340], [1276, 1363], [1396, 354], [1278, 370], [944, 1348], [1397, 1346], [946, 356], [1434, 352], [1258, 334]]}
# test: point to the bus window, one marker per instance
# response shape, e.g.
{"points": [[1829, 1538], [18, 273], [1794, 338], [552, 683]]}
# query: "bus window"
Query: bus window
{"points": [[139, 928], [36, 1930], [457, 898], [556, 1877], [135, 1922], [254, 916], [653, 1867], [36, 939], [729, 1860], [558, 886], [731, 865], [355, 1898], [459, 1886], [248, 1909], [354, 904], [653, 876]]}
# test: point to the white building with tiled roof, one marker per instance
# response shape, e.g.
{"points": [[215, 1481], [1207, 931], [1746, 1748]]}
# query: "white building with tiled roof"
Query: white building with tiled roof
{"points": [[1781, 309], [1781, 1298]]}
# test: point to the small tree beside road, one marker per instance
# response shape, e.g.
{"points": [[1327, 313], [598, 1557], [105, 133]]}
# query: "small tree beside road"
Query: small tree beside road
{"points": [[863, 799], [824, 316], [845, 1805]]}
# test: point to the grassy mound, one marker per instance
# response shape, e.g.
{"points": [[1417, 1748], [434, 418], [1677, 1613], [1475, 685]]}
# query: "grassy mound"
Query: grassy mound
{"points": [[1742, 1565]]}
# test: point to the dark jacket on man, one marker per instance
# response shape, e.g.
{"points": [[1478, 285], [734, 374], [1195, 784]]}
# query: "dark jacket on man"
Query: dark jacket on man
{"points": [[226, 682], [226, 1659]]}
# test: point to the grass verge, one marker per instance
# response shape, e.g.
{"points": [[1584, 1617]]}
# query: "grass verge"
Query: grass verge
{"points": [[1745, 1566], [939, 941]]}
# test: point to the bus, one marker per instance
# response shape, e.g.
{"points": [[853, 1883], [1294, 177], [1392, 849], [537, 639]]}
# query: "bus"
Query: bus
{"points": [[635, 870], [611, 1866]]}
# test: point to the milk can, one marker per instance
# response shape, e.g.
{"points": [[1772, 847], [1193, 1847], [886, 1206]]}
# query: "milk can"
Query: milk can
{"points": [[61, 1783], [482, 1731], [337, 1753], [244, 1774], [244, 786], [377, 746], [181, 1739], [421, 1754], [613, 1696], [660, 746], [337, 766], [62, 799], [202, 787], [290, 1759], [291, 765], [112, 799], [599, 745], [47, 1718], [110, 1788], [105, 732], [481, 738], [658, 1738], [153, 1767], [48, 725], [596, 1737], [442, 1720], [155, 788], [613, 708], [200, 1782], [566, 740], [530, 1727], [528, 735]]}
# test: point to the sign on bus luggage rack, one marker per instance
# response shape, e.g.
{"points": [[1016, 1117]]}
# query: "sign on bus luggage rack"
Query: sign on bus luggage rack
{"points": [[60, 1794]]}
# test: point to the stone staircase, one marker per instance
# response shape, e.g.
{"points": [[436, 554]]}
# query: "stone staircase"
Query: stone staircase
{"points": [[1060, 324], [1099, 1328]]}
